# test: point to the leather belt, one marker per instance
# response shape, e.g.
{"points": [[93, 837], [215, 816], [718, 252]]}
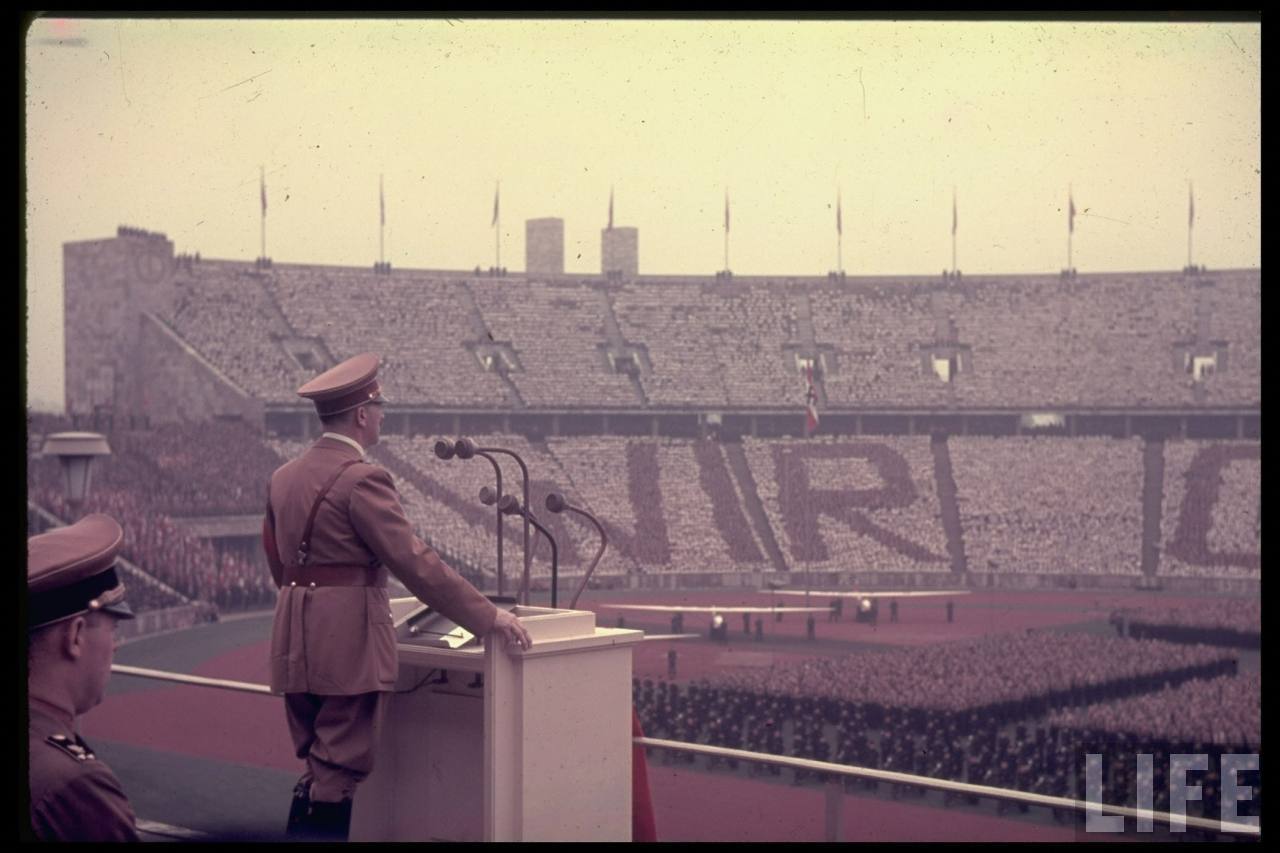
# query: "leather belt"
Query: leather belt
{"points": [[335, 574]]}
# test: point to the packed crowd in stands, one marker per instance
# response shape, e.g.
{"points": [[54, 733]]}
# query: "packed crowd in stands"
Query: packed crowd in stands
{"points": [[1211, 524], [871, 504], [145, 592], [212, 468], [1235, 316], [673, 322], [1097, 341], [164, 549], [227, 315], [752, 327], [877, 333], [419, 324], [658, 495], [441, 498], [556, 330], [154, 477], [712, 346], [1226, 710], [1050, 505]]}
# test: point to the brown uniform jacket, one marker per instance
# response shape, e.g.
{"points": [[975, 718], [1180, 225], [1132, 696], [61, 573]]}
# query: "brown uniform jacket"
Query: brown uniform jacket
{"points": [[338, 640], [74, 796]]}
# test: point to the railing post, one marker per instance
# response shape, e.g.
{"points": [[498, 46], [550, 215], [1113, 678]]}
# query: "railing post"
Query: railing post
{"points": [[835, 795]]}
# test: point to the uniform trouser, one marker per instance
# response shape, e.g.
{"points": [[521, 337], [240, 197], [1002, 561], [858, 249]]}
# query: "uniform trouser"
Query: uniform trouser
{"points": [[336, 736]]}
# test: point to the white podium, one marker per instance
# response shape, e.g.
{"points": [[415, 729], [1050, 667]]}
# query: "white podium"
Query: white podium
{"points": [[515, 746]]}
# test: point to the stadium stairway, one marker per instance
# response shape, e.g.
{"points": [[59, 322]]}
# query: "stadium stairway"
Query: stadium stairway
{"points": [[1152, 504], [615, 338], [947, 492], [481, 331], [279, 318], [751, 502]]}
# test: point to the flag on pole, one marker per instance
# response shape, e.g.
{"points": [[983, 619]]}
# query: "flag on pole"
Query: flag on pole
{"points": [[495, 208], [1191, 206], [610, 208], [1071, 213], [382, 205], [262, 183], [839, 224], [726, 211], [811, 406]]}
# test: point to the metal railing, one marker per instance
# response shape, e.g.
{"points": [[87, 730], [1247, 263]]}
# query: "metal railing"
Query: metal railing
{"points": [[834, 790]]}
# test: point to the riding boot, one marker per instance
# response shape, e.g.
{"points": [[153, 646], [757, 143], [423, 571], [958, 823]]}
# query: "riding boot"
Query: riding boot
{"points": [[296, 829], [331, 821]]}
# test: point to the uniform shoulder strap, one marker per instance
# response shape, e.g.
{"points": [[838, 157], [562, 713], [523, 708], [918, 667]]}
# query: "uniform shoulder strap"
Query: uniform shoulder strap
{"points": [[305, 544]]}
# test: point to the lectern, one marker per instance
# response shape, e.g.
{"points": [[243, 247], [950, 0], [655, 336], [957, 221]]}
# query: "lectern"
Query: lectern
{"points": [[486, 744]]}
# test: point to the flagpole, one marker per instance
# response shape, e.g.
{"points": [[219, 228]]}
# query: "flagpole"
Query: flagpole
{"points": [[726, 230], [839, 236], [382, 224], [953, 230], [497, 231], [262, 182], [1191, 218]]}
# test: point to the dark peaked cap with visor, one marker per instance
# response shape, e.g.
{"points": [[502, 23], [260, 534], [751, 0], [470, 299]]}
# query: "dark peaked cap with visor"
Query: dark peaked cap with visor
{"points": [[72, 570], [352, 383]]}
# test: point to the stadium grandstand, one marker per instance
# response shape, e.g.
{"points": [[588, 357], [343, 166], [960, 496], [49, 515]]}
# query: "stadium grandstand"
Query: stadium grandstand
{"points": [[1082, 454]]}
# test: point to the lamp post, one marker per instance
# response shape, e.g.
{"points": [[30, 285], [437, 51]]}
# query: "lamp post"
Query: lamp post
{"points": [[75, 452]]}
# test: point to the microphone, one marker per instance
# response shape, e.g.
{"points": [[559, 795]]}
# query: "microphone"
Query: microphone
{"points": [[465, 449], [556, 503], [488, 496], [510, 505]]}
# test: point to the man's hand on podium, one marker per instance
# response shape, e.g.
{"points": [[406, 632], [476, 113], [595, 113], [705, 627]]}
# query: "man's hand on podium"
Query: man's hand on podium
{"points": [[508, 625]]}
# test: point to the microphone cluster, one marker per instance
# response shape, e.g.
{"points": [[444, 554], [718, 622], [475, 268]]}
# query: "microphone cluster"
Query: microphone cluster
{"points": [[505, 504]]}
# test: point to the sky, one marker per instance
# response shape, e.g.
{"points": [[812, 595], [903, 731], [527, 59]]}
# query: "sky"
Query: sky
{"points": [[166, 124]]}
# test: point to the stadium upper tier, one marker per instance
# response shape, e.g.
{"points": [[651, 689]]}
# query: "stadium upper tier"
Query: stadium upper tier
{"points": [[468, 342]]}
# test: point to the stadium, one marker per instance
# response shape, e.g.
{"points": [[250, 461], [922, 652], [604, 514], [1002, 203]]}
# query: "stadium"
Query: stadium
{"points": [[1077, 455]]}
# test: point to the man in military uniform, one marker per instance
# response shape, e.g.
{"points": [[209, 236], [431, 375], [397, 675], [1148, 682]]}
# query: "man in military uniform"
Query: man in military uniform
{"points": [[74, 598], [334, 526]]}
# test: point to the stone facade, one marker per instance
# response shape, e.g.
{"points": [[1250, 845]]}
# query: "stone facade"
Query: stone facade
{"points": [[108, 283]]}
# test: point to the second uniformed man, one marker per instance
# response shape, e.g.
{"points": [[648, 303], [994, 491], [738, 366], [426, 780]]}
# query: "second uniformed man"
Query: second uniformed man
{"points": [[334, 526], [74, 598]]}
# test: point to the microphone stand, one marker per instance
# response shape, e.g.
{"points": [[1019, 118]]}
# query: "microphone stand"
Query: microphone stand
{"points": [[468, 447], [511, 506], [557, 503], [447, 449]]}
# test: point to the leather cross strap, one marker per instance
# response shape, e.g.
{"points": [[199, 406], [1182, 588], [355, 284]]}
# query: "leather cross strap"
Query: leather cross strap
{"points": [[305, 545], [302, 573]]}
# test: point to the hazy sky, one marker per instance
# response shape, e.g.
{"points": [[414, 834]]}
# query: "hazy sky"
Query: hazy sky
{"points": [[163, 125]]}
